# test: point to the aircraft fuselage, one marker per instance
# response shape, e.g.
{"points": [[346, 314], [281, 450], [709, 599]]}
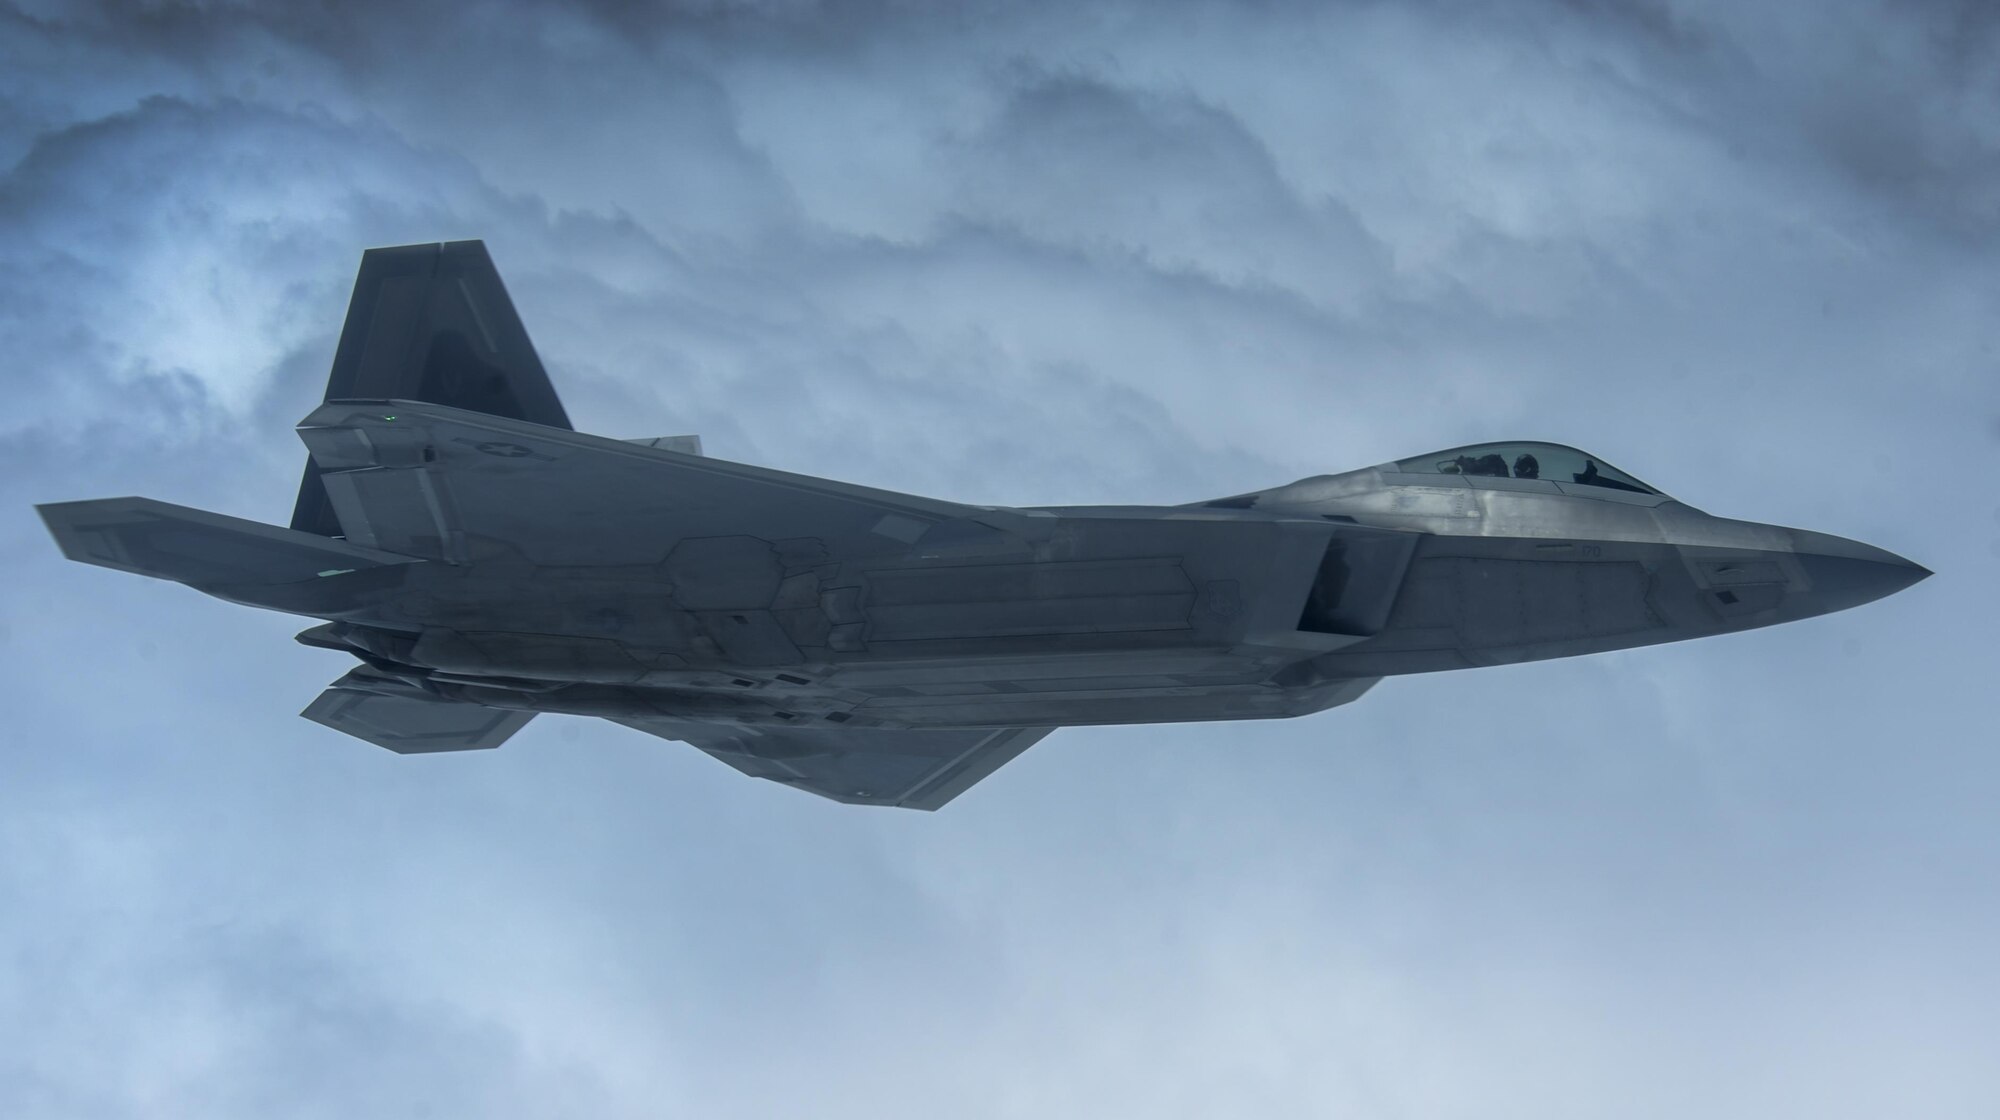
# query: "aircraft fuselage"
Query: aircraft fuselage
{"points": [[1277, 604]]}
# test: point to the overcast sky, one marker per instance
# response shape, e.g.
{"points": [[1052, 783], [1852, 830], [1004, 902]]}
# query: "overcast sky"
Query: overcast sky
{"points": [[1034, 254]]}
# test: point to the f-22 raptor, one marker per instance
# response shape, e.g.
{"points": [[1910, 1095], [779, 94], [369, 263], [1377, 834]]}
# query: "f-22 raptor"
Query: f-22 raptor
{"points": [[485, 563]]}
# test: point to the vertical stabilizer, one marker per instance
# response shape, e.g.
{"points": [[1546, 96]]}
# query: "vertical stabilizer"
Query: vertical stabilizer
{"points": [[432, 323]]}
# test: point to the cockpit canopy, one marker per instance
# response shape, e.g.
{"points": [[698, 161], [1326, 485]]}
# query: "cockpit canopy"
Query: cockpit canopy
{"points": [[1547, 462]]}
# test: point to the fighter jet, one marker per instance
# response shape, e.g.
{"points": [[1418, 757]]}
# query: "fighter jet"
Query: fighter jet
{"points": [[485, 563]]}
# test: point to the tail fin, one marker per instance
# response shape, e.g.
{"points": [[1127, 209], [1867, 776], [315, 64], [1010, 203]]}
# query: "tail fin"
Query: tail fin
{"points": [[431, 323]]}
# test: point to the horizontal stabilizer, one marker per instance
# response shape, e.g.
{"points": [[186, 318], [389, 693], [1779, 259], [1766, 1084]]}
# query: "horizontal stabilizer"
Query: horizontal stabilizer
{"points": [[410, 725], [196, 547], [433, 323]]}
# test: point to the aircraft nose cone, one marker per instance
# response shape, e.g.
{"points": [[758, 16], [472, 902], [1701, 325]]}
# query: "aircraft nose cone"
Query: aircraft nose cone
{"points": [[1842, 573]]}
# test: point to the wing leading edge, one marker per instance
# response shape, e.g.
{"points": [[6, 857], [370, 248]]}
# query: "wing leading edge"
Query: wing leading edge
{"points": [[865, 766]]}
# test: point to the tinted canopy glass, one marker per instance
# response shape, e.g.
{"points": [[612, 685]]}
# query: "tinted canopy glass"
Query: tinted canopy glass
{"points": [[1547, 462]]}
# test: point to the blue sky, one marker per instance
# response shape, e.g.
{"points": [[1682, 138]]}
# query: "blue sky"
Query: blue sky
{"points": [[1033, 254]]}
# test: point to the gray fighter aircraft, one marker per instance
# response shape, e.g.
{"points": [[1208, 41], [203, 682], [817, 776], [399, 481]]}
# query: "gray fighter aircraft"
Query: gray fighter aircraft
{"points": [[485, 563]]}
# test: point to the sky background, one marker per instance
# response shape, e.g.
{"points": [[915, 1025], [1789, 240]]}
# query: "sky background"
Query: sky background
{"points": [[1025, 254]]}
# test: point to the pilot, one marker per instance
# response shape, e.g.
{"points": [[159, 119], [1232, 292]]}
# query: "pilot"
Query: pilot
{"points": [[1525, 466], [1589, 474]]}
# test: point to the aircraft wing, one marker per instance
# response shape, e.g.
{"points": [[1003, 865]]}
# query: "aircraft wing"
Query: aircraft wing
{"points": [[407, 721], [863, 766], [444, 483]]}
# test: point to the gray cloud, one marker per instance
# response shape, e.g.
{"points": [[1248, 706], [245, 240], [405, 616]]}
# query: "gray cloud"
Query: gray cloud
{"points": [[1023, 253]]}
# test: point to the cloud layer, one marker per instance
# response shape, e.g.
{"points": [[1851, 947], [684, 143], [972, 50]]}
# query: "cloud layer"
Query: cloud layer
{"points": [[1034, 254]]}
